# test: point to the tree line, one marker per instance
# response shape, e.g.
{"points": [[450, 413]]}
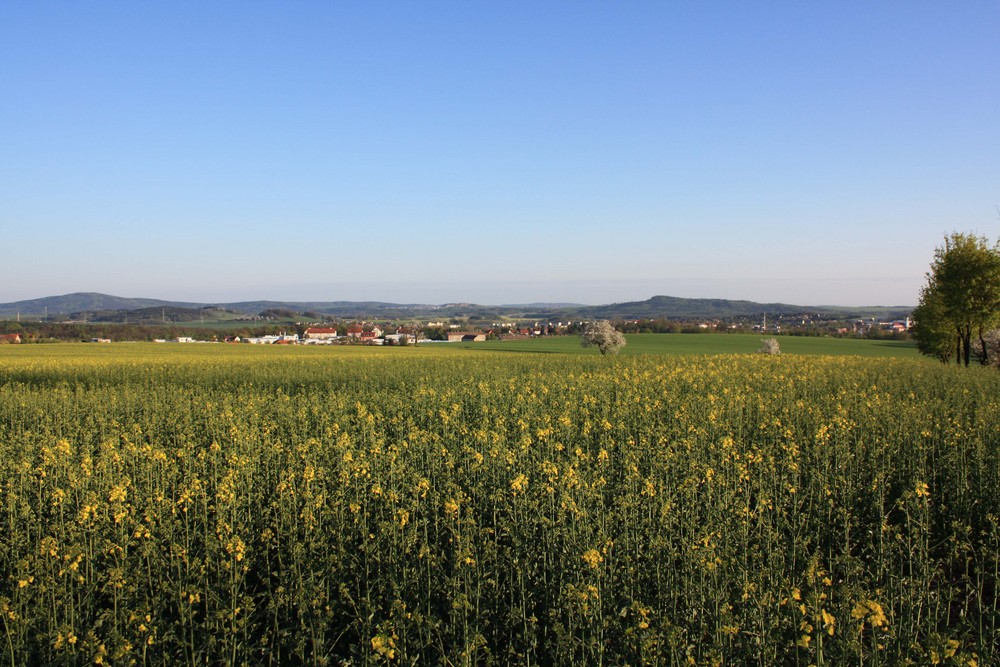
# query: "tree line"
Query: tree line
{"points": [[40, 332]]}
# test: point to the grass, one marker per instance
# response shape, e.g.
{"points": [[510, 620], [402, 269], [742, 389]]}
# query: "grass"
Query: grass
{"points": [[638, 344], [676, 344]]}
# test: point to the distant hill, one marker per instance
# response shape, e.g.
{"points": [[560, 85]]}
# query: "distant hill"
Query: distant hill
{"points": [[340, 309], [93, 306], [672, 307], [63, 306], [677, 308], [158, 315], [543, 306]]}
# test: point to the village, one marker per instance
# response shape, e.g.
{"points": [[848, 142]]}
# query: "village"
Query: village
{"points": [[371, 333], [435, 332]]}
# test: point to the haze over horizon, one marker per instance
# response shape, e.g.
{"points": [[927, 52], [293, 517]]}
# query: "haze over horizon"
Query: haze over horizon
{"points": [[471, 152]]}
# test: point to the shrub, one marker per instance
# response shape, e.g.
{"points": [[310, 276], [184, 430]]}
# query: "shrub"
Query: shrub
{"points": [[769, 346]]}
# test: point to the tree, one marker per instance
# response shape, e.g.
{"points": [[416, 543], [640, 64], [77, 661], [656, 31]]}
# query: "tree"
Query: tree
{"points": [[435, 333], [769, 346], [960, 303], [934, 334], [603, 336]]}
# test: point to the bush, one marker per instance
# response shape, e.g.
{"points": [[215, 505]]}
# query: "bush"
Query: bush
{"points": [[769, 346]]}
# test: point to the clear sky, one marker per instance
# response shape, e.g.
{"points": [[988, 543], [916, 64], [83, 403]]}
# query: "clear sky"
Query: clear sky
{"points": [[493, 152]]}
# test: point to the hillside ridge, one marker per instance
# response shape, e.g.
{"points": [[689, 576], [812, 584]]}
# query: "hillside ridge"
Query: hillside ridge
{"points": [[85, 305]]}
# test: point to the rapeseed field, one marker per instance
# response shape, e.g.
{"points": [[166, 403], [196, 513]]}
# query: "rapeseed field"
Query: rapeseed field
{"points": [[217, 505]]}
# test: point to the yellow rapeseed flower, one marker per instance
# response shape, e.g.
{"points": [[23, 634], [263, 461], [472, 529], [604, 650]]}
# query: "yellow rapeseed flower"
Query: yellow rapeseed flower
{"points": [[118, 494], [593, 558], [519, 484], [829, 622]]}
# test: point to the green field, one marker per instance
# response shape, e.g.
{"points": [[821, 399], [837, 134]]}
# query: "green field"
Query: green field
{"points": [[711, 344], [452, 505]]}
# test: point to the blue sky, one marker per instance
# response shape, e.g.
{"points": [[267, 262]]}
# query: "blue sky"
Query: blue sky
{"points": [[803, 152]]}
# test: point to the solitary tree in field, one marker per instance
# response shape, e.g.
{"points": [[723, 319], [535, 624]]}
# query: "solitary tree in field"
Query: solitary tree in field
{"points": [[603, 336], [960, 303], [769, 346]]}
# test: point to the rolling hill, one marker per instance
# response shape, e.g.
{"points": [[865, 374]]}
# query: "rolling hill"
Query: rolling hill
{"points": [[94, 306]]}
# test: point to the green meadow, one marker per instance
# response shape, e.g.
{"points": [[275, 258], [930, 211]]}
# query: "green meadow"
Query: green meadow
{"points": [[674, 344]]}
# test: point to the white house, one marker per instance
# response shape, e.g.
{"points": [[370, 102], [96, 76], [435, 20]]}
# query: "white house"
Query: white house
{"points": [[321, 333]]}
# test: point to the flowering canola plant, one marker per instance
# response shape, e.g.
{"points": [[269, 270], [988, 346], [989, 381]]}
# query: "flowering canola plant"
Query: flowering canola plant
{"points": [[220, 505]]}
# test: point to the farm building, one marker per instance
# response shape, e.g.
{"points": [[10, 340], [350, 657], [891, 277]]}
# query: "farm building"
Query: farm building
{"points": [[400, 339], [321, 333], [364, 332], [282, 339], [465, 337]]}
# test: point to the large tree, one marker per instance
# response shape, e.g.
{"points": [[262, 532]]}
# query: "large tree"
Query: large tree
{"points": [[603, 336], [960, 303]]}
